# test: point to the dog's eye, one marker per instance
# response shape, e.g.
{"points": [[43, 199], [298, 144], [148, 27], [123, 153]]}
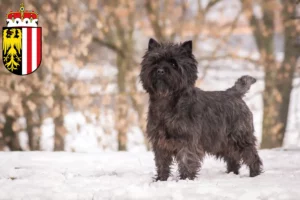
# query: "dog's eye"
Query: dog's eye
{"points": [[173, 63]]}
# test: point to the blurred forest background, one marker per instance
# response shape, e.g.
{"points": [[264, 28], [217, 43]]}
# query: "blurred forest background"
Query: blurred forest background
{"points": [[86, 95]]}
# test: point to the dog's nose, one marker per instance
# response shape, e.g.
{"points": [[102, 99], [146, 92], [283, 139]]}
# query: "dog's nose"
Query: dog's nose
{"points": [[160, 71]]}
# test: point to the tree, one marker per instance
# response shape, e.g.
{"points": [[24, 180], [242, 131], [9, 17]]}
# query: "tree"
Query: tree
{"points": [[10, 134], [62, 27], [116, 22], [278, 74]]}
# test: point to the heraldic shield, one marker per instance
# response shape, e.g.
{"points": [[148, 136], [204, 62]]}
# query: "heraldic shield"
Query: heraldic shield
{"points": [[22, 49]]}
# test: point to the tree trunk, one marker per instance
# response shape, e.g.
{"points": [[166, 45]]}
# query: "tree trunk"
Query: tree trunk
{"points": [[11, 138], [278, 85], [32, 128], [273, 124], [2, 142], [59, 128], [122, 104], [139, 105], [59, 133], [34, 134], [276, 98], [121, 122]]}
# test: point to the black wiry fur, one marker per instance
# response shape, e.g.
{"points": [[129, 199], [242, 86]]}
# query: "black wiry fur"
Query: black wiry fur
{"points": [[241, 86], [185, 122]]}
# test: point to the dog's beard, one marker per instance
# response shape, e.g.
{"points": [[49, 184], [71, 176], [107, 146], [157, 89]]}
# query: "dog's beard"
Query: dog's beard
{"points": [[161, 87]]}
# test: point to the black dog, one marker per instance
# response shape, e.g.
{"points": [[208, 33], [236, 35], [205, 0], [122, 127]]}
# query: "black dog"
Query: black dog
{"points": [[186, 122]]}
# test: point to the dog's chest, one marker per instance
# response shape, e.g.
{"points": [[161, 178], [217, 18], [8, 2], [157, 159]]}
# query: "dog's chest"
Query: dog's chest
{"points": [[164, 120], [161, 113]]}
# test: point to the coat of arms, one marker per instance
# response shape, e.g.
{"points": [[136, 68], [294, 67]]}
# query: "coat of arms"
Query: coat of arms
{"points": [[22, 42]]}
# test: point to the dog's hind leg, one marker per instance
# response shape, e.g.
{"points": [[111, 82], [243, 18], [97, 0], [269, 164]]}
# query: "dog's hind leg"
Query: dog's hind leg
{"points": [[232, 160], [163, 161], [252, 160], [233, 164], [189, 162]]}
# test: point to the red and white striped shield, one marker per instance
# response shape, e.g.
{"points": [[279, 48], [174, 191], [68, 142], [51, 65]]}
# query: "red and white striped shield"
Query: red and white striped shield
{"points": [[22, 49]]}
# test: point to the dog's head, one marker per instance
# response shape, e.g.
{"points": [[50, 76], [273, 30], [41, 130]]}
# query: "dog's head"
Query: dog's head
{"points": [[168, 68]]}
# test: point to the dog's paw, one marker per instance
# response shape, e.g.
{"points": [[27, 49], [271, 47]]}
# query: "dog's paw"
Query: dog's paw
{"points": [[187, 176], [160, 178], [254, 173], [236, 172]]}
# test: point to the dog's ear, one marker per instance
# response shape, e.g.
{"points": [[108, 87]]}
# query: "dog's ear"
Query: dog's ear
{"points": [[152, 44], [188, 46]]}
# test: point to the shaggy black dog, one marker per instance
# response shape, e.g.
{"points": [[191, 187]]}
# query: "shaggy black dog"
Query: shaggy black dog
{"points": [[186, 122]]}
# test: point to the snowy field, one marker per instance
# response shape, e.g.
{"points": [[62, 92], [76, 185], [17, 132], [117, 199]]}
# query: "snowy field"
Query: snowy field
{"points": [[101, 176]]}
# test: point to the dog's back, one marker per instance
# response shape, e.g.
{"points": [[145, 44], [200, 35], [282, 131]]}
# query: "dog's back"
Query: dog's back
{"points": [[225, 117]]}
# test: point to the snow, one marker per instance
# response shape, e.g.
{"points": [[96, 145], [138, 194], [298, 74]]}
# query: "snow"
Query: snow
{"points": [[125, 175]]}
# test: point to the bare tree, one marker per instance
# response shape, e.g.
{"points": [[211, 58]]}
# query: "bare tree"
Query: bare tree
{"points": [[62, 42], [116, 22], [278, 75]]}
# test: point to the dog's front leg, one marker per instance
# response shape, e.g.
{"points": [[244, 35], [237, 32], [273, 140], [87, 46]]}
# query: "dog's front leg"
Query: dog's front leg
{"points": [[163, 161], [189, 162]]}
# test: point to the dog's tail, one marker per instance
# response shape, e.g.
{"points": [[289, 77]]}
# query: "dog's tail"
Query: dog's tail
{"points": [[241, 86]]}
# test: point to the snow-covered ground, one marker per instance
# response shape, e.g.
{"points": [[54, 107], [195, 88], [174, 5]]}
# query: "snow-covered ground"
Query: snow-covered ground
{"points": [[118, 175]]}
